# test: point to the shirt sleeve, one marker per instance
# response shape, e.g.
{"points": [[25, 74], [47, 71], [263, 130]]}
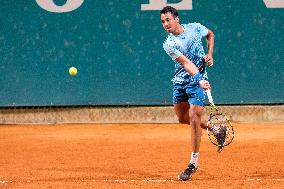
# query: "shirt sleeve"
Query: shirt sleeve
{"points": [[202, 29], [171, 50]]}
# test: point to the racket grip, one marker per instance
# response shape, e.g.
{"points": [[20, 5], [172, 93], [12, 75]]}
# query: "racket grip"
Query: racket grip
{"points": [[209, 96]]}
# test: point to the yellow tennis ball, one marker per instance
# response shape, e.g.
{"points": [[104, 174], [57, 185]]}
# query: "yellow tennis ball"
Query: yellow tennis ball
{"points": [[73, 71]]}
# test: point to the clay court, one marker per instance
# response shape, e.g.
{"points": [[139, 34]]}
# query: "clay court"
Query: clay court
{"points": [[87, 91], [137, 156]]}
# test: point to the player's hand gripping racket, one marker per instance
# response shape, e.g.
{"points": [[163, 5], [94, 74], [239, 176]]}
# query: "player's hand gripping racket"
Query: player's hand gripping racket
{"points": [[221, 132]]}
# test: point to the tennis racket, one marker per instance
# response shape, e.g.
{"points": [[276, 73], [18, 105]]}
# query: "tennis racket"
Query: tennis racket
{"points": [[223, 133]]}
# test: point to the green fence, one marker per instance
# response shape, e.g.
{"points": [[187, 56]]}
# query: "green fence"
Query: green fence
{"points": [[116, 46]]}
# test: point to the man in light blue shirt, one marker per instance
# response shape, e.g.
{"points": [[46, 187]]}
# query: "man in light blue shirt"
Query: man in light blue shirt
{"points": [[184, 46]]}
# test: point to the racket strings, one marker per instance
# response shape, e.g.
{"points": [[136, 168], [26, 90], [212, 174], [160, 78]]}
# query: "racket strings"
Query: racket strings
{"points": [[218, 120]]}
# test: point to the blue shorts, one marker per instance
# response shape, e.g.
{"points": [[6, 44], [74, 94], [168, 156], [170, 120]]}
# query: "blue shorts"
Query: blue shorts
{"points": [[193, 94]]}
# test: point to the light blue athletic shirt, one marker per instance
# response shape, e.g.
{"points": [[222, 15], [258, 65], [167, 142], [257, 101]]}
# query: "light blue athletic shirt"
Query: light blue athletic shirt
{"points": [[189, 44]]}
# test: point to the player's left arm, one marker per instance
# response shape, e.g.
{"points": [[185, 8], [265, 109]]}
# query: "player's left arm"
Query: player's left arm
{"points": [[210, 45]]}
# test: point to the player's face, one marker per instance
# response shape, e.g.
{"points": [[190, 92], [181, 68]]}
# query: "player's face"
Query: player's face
{"points": [[169, 22]]}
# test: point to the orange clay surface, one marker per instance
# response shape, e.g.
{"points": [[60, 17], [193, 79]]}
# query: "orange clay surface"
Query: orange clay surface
{"points": [[137, 156]]}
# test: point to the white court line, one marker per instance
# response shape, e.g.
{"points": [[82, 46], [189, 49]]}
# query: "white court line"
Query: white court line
{"points": [[145, 180], [260, 179], [5, 181]]}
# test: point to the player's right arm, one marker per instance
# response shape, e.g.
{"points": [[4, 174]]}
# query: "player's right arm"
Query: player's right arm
{"points": [[190, 67], [170, 48]]}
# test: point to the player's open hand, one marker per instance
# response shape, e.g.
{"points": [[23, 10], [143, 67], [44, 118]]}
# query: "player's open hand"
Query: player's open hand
{"points": [[209, 59], [204, 84]]}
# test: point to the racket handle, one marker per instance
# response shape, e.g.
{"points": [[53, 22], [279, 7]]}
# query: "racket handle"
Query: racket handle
{"points": [[209, 95]]}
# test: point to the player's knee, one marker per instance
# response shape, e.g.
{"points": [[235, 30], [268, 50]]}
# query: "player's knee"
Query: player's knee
{"points": [[193, 121]]}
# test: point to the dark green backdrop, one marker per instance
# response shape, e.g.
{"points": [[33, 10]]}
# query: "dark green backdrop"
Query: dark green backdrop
{"points": [[117, 49]]}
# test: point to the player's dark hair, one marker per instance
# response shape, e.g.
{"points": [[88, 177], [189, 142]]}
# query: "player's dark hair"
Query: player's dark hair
{"points": [[169, 9]]}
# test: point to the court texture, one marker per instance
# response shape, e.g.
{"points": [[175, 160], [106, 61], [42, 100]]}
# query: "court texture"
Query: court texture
{"points": [[136, 154]]}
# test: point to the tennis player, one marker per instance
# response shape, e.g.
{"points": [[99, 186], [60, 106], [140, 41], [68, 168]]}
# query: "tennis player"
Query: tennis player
{"points": [[184, 46]]}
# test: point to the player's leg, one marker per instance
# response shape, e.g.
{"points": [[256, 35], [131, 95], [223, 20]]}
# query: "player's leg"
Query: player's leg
{"points": [[197, 102], [189, 114], [196, 99], [182, 112], [195, 113]]}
